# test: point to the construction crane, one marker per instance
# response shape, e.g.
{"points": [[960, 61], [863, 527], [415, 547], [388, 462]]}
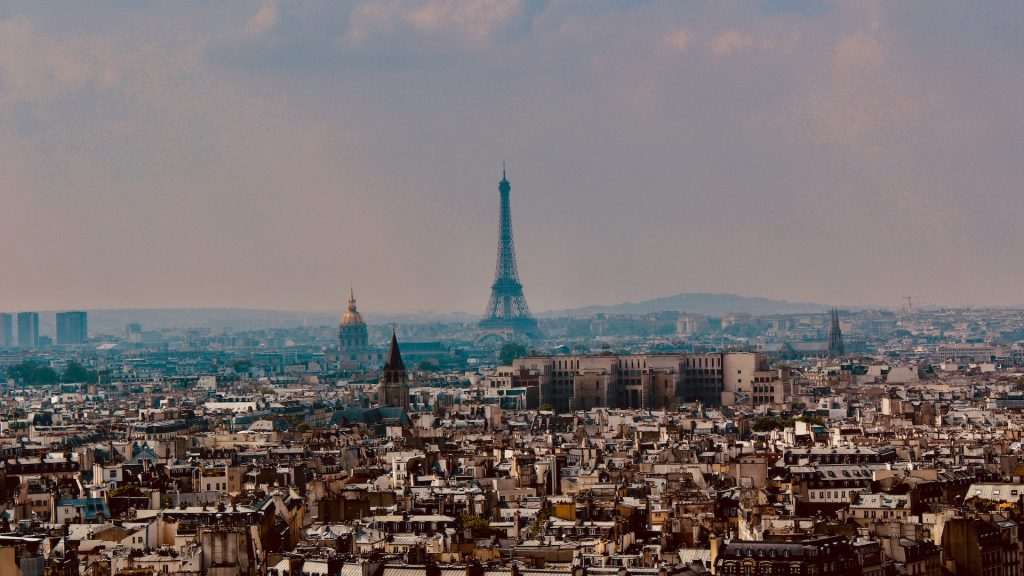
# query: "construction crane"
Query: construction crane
{"points": [[908, 306]]}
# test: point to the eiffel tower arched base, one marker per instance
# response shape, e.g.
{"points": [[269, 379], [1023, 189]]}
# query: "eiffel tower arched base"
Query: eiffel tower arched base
{"points": [[502, 330]]}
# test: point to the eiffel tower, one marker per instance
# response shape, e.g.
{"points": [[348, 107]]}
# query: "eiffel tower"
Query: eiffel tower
{"points": [[507, 315]]}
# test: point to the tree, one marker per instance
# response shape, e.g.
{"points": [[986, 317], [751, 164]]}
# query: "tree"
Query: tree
{"points": [[818, 420], [538, 523], [44, 375], [980, 504], [767, 423], [75, 372], [510, 351], [130, 490], [31, 374], [427, 366], [477, 526]]}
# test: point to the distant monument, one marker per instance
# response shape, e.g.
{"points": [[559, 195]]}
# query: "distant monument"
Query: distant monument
{"points": [[354, 348], [836, 349], [507, 317]]}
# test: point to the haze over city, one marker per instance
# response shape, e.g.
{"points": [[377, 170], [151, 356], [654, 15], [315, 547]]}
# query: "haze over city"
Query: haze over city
{"points": [[271, 155], [511, 288]]}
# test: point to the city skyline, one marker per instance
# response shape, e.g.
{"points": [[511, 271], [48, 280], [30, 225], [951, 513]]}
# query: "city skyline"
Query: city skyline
{"points": [[511, 288], [268, 156]]}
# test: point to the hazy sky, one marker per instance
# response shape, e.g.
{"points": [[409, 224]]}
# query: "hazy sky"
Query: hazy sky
{"points": [[187, 153]]}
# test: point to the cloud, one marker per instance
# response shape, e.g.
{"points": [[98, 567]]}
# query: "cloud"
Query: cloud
{"points": [[678, 40], [474, 19], [37, 69], [803, 7], [867, 103], [264, 18], [730, 41], [253, 153], [477, 18]]}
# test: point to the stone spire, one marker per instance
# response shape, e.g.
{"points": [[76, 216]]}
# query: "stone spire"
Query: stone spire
{"points": [[836, 349], [394, 362], [394, 387]]}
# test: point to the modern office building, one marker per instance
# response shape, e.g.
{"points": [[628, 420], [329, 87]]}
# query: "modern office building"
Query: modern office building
{"points": [[6, 331], [133, 333], [28, 329], [72, 328]]}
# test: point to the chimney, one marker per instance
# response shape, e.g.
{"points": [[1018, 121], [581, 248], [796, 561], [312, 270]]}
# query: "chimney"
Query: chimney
{"points": [[714, 552], [554, 475]]}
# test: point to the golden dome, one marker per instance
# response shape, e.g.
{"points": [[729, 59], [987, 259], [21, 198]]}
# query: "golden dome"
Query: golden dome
{"points": [[352, 316]]}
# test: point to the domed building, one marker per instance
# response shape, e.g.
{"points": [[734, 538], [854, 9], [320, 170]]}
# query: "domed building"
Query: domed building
{"points": [[354, 347]]}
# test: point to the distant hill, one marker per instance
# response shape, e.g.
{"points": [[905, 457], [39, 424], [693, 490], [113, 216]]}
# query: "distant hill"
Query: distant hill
{"points": [[697, 303], [238, 319], [114, 321], [233, 319]]}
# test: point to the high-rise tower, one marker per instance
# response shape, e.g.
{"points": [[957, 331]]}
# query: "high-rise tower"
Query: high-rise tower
{"points": [[72, 328], [836, 349], [28, 329], [507, 313], [6, 330]]}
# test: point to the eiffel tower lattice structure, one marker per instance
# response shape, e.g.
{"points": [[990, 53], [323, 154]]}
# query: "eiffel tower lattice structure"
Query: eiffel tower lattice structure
{"points": [[508, 316]]}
